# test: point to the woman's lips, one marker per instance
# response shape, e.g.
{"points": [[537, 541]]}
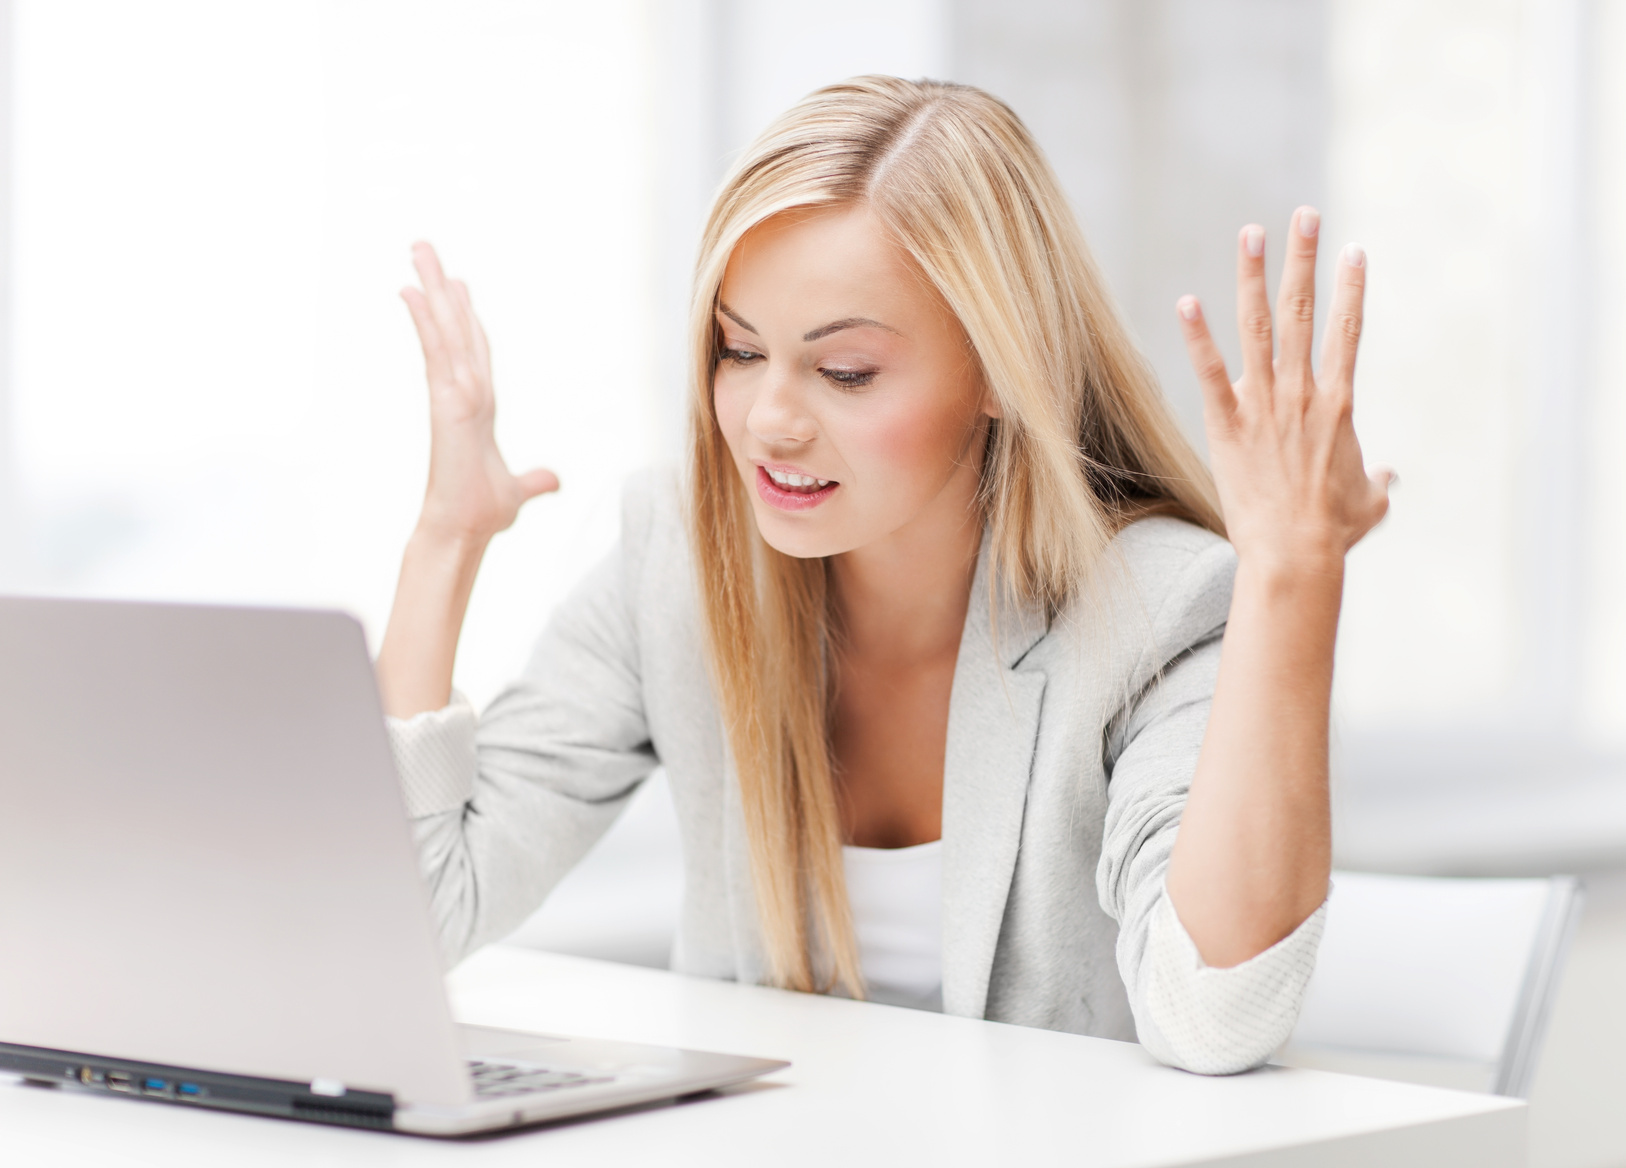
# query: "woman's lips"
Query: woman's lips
{"points": [[776, 496]]}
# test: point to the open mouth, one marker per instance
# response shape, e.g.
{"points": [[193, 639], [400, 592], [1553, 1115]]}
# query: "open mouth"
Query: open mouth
{"points": [[793, 492]]}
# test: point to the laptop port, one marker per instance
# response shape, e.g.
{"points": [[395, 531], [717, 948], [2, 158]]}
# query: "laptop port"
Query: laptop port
{"points": [[188, 1091], [155, 1086], [91, 1077], [119, 1081]]}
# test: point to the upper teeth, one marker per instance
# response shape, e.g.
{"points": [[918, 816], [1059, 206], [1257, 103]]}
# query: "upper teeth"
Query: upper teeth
{"points": [[796, 480]]}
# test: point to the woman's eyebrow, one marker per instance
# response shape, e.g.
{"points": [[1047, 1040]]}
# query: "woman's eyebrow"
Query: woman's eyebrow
{"points": [[836, 326], [735, 317]]}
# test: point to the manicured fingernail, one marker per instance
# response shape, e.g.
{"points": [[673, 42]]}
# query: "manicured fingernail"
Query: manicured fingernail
{"points": [[1354, 255], [1253, 238], [1309, 222], [1188, 307]]}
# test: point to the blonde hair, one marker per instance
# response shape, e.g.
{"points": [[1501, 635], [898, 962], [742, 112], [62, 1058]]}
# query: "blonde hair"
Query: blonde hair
{"points": [[1084, 444]]}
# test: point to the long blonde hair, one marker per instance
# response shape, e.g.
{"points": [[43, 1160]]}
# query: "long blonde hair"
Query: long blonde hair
{"points": [[1084, 444]]}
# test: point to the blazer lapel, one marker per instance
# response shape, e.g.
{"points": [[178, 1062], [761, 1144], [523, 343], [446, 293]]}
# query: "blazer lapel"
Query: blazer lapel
{"points": [[993, 726]]}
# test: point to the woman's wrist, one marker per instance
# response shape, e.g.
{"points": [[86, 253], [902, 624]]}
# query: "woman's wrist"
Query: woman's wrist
{"points": [[1307, 566], [446, 543], [1287, 606]]}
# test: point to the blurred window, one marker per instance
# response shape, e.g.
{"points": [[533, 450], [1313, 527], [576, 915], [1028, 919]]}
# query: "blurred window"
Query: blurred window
{"points": [[217, 393]]}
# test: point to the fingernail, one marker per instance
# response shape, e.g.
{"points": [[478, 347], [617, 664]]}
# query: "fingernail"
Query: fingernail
{"points": [[1354, 255], [1253, 238], [1309, 222], [1188, 307]]}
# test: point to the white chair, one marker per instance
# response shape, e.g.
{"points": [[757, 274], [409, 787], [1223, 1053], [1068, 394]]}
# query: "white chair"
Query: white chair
{"points": [[1435, 980]]}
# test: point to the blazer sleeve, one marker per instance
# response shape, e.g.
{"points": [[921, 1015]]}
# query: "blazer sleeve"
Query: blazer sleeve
{"points": [[504, 805], [1204, 1019]]}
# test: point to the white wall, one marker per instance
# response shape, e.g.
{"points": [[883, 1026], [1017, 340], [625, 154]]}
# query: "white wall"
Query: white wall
{"points": [[1475, 149], [217, 392], [1170, 123], [1603, 707], [1428, 171]]}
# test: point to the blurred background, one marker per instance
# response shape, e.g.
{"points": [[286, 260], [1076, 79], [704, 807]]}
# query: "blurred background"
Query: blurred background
{"points": [[210, 391]]}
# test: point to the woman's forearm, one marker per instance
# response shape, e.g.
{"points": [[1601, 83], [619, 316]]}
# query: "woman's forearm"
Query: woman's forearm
{"points": [[1254, 849], [1255, 844], [470, 497], [420, 642]]}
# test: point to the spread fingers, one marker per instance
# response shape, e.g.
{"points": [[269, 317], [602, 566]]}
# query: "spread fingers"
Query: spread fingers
{"points": [[441, 299], [1252, 304], [434, 351], [1219, 399], [1344, 326], [1295, 303]]}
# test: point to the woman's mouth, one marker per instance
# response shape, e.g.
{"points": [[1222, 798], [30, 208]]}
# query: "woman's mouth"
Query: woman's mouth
{"points": [[790, 491]]}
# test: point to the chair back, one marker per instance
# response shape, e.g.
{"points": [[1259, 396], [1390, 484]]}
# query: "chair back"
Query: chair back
{"points": [[1430, 968]]}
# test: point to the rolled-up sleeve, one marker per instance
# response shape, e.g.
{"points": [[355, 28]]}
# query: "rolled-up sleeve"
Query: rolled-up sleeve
{"points": [[435, 757], [1220, 1021]]}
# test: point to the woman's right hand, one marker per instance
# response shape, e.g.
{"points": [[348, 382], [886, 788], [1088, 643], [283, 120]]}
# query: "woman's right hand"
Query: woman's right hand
{"points": [[471, 497], [471, 494]]}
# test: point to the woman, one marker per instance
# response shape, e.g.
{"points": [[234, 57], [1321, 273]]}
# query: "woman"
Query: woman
{"points": [[929, 637]]}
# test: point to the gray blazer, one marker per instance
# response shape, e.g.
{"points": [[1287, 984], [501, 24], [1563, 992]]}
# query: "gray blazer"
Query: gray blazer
{"points": [[1070, 750]]}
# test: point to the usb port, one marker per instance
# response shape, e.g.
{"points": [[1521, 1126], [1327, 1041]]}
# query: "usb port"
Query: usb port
{"points": [[119, 1081], [155, 1086], [91, 1077], [189, 1090]]}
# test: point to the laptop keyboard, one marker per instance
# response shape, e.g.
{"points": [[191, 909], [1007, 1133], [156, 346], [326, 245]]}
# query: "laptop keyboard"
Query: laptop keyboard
{"points": [[494, 1080]]}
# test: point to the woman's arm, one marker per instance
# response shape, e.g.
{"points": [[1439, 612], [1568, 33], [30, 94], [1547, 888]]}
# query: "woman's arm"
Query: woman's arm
{"points": [[471, 496], [1254, 849]]}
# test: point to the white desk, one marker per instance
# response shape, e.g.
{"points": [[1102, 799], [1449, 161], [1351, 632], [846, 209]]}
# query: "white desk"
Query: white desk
{"points": [[869, 1085]]}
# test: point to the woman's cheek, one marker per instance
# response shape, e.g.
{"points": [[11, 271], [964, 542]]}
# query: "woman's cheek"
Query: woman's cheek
{"points": [[731, 405], [910, 443]]}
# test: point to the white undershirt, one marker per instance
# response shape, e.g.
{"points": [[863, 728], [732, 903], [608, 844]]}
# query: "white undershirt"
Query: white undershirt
{"points": [[896, 895]]}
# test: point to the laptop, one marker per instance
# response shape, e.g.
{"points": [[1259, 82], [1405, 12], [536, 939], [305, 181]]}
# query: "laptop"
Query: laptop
{"points": [[210, 896]]}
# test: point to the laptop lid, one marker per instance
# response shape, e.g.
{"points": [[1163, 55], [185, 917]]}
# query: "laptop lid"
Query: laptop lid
{"points": [[204, 856]]}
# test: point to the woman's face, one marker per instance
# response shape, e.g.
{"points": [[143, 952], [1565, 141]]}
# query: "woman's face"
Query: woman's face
{"points": [[847, 391]]}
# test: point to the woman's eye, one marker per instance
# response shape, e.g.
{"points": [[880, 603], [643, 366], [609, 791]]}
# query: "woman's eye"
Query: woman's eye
{"points": [[849, 378], [740, 356]]}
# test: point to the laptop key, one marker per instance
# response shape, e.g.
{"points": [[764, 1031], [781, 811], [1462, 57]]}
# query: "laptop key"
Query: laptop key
{"points": [[500, 1080]]}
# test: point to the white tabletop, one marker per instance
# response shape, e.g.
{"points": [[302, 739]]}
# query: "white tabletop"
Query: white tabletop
{"points": [[868, 1085]]}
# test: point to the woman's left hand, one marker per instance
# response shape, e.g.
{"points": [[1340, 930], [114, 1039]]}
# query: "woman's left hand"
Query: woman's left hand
{"points": [[1255, 844], [1292, 485]]}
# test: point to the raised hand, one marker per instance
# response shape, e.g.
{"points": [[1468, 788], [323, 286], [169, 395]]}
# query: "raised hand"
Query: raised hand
{"points": [[470, 498], [471, 493], [1255, 845], [1285, 456]]}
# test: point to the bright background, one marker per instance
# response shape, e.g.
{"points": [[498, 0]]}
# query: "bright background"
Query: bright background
{"points": [[210, 390]]}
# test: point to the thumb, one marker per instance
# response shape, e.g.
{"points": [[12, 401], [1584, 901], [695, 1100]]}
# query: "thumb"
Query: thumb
{"points": [[537, 482], [1383, 480]]}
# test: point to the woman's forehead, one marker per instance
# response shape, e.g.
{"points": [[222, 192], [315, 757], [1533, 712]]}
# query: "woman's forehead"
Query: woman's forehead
{"points": [[806, 267]]}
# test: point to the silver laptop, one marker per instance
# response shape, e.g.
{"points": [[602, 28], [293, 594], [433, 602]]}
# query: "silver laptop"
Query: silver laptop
{"points": [[210, 897]]}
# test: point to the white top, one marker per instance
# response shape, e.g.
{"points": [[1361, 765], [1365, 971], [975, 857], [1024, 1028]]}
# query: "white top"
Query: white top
{"points": [[896, 896]]}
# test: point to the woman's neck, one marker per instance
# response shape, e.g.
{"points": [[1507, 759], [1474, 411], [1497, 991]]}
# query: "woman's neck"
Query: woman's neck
{"points": [[904, 599]]}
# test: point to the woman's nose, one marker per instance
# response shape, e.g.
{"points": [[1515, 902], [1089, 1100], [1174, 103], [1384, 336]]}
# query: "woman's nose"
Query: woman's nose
{"points": [[779, 413]]}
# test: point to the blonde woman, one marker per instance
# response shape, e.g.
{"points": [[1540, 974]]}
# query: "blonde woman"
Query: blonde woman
{"points": [[928, 637]]}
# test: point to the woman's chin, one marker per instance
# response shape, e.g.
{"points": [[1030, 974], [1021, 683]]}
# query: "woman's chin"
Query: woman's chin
{"points": [[796, 545], [798, 538]]}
